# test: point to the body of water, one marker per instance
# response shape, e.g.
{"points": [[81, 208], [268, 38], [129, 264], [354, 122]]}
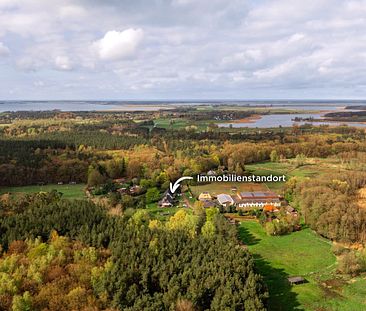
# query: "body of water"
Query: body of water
{"points": [[274, 120], [286, 120]]}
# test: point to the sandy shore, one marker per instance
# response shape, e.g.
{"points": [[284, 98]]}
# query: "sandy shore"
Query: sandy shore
{"points": [[141, 108]]}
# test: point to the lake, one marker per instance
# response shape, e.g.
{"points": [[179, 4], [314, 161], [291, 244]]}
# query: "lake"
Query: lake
{"points": [[285, 120], [274, 120]]}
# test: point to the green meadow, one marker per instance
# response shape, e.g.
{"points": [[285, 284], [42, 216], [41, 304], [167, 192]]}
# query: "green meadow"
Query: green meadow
{"points": [[164, 213], [313, 167], [68, 191], [181, 123], [305, 254]]}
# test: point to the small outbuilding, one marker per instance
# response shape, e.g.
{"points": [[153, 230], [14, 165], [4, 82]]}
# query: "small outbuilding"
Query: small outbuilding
{"points": [[270, 208], [295, 280], [211, 173], [205, 196]]}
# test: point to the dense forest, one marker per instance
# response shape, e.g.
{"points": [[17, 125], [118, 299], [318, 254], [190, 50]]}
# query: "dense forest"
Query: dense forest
{"points": [[190, 262], [330, 206], [55, 153]]}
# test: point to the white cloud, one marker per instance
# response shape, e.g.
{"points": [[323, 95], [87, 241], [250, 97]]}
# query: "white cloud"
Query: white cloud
{"points": [[28, 63], [4, 50], [72, 12], [186, 48], [116, 45], [63, 63]]}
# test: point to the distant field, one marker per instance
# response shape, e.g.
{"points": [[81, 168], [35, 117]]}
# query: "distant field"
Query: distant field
{"points": [[181, 123], [69, 191], [304, 254], [171, 123]]}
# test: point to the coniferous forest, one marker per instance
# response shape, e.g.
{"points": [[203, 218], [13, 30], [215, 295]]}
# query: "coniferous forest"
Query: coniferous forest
{"points": [[64, 255]]}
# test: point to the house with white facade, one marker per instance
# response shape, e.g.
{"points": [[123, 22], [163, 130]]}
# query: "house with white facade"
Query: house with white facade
{"points": [[256, 200]]}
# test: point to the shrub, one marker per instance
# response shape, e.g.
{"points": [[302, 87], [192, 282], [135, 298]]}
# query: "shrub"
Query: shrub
{"points": [[349, 264]]}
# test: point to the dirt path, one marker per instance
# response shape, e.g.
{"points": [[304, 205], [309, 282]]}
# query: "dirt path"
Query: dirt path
{"points": [[186, 200]]}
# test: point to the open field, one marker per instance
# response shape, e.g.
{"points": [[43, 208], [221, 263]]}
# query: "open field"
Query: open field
{"points": [[181, 123], [163, 213], [313, 167], [301, 253], [68, 191], [287, 168], [171, 123], [225, 187]]}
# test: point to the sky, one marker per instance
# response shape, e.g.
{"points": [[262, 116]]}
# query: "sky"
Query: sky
{"points": [[182, 49]]}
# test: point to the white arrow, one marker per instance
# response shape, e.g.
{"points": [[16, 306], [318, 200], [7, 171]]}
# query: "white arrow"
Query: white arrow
{"points": [[176, 185]]}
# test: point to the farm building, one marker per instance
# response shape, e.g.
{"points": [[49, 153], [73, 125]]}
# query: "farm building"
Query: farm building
{"points": [[250, 200], [167, 199], [225, 199], [207, 204], [295, 280], [204, 196], [270, 208]]}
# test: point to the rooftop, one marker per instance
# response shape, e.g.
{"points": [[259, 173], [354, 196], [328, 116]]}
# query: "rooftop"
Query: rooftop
{"points": [[224, 198], [258, 195], [296, 280]]}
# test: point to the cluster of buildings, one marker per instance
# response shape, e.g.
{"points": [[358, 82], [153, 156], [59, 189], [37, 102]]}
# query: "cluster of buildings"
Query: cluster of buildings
{"points": [[240, 201], [245, 201]]}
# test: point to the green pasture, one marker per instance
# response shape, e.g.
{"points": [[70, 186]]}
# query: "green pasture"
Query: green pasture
{"points": [[177, 124], [225, 187], [163, 213], [305, 254], [287, 168], [68, 191]]}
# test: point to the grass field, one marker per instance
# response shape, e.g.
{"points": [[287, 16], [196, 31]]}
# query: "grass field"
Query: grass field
{"points": [[163, 213], [181, 123], [225, 187], [301, 253], [287, 168], [68, 191]]}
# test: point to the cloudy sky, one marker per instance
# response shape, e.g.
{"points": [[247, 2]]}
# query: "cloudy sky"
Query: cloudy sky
{"points": [[182, 49]]}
